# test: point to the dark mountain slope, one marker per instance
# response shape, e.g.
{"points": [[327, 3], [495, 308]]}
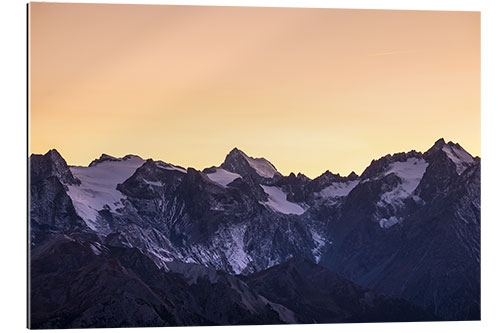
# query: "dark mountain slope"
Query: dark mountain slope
{"points": [[318, 295], [51, 209], [77, 283], [431, 255]]}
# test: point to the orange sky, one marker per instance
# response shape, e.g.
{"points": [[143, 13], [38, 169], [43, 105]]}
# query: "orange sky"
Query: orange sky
{"points": [[309, 89]]}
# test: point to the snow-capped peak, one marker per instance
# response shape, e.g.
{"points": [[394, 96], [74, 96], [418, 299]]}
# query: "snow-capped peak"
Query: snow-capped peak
{"points": [[239, 162], [109, 158], [262, 166], [459, 156]]}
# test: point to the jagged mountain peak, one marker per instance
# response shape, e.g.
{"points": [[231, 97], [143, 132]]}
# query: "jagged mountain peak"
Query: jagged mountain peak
{"points": [[441, 144], [237, 153], [239, 162], [352, 176], [51, 164], [327, 173], [303, 177], [54, 154], [328, 177], [335, 177], [151, 167], [236, 150], [453, 152]]}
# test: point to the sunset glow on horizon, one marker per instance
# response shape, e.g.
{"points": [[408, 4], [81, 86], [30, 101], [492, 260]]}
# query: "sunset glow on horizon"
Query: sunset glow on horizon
{"points": [[308, 89]]}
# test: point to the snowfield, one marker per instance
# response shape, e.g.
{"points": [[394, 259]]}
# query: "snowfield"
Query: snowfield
{"points": [[410, 172], [98, 187], [277, 201], [387, 223], [223, 177], [338, 189]]}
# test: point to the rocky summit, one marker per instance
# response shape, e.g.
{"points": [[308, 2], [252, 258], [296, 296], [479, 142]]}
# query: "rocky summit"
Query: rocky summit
{"points": [[128, 242]]}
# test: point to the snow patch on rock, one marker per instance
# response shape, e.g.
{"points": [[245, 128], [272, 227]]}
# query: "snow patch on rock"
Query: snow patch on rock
{"points": [[237, 256], [277, 201], [153, 183], [460, 157], [168, 166], [223, 177], [410, 172], [319, 242], [338, 189], [262, 166], [387, 223]]}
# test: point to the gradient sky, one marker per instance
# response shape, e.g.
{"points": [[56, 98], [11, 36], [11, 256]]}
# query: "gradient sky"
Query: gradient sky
{"points": [[309, 89]]}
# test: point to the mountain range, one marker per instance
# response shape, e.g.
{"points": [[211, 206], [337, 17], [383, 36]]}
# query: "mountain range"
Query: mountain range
{"points": [[133, 242]]}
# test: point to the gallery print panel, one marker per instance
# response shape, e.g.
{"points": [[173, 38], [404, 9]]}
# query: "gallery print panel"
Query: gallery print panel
{"points": [[203, 165]]}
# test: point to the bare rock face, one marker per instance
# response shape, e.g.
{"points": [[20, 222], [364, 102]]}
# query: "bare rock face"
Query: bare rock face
{"points": [[51, 209], [240, 243], [50, 165]]}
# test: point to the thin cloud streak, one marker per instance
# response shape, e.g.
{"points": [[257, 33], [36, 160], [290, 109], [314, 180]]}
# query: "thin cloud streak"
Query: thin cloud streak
{"points": [[384, 53]]}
